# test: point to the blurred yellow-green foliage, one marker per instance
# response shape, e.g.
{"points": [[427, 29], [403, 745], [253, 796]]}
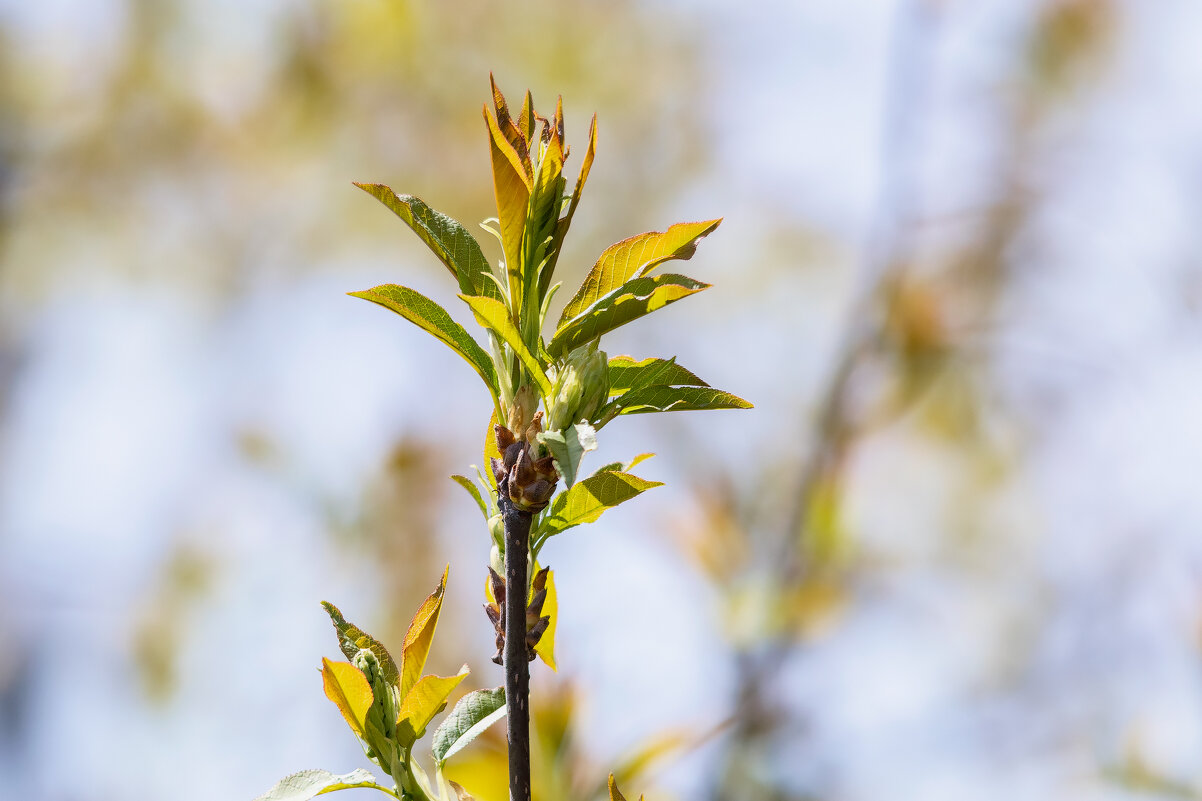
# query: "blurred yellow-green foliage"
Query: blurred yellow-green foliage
{"points": [[952, 554]]}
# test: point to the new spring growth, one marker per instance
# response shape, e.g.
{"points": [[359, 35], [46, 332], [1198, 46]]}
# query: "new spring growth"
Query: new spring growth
{"points": [[581, 388], [536, 621], [530, 479], [380, 721]]}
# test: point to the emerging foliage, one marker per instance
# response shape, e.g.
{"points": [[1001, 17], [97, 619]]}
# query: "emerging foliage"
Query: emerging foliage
{"points": [[552, 389]]}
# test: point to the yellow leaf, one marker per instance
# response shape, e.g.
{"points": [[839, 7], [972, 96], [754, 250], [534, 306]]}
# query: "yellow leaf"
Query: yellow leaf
{"points": [[614, 793], [512, 186], [347, 687], [514, 133], [490, 449], [419, 637], [546, 646], [423, 702], [483, 769]]}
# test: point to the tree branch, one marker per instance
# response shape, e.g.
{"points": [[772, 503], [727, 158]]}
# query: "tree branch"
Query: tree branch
{"points": [[517, 667]]}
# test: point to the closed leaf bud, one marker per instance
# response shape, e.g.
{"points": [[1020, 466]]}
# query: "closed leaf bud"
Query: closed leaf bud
{"points": [[521, 411], [534, 429], [581, 387], [503, 436], [496, 529]]}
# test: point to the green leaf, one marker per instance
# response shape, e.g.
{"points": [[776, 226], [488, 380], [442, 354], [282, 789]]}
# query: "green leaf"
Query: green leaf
{"points": [[351, 639], [420, 636], [427, 698], [474, 713], [585, 502], [626, 374], [635, 257], [449, 240], [561, 228], [428, 315], [494, 315], [306, 784], [628, 302], [568, 447], [472, 490], [676, 399]]}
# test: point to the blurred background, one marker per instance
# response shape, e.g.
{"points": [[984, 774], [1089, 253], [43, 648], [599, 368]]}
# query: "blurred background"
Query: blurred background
{"points": [[953, 553]]}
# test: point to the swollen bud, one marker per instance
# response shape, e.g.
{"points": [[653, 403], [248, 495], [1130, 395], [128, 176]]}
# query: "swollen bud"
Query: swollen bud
{"points": [[581, 387], [496, 529], [521, 411]]}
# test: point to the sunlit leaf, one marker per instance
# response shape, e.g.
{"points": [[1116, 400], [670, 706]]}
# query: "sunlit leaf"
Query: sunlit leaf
{"points": [[585, 501], [494, 315], [423, 702], [546, 644], [626, 374], [419, 637], [633, 258], [568, 447], [351, 639], [491, 451], [630, 301], [449, 240], [614, 793], [561, 228], [428, 315], [517, 134], [347, 687], [511, 185], [472, 490], [625, 467], [474, 713], [676, 399], [307, 784]]}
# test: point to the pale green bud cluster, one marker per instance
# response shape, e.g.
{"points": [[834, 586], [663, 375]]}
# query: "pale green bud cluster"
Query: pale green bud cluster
{"points": [[381, 719], [581, 387]]}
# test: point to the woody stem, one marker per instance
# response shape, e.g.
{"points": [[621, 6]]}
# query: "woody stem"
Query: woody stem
{"points": [[517, 668]]}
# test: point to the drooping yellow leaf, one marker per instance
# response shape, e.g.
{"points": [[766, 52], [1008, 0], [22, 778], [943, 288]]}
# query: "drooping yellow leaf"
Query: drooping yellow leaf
{"points": [[635, 257], [512, 186], [423, 702], [546, 646], [347, 687], [419, 637]]}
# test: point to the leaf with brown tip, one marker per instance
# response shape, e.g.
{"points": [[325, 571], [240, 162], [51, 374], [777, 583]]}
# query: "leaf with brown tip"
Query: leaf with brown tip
{"points": [[511, 185], [420, 636], [351, 639]]}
